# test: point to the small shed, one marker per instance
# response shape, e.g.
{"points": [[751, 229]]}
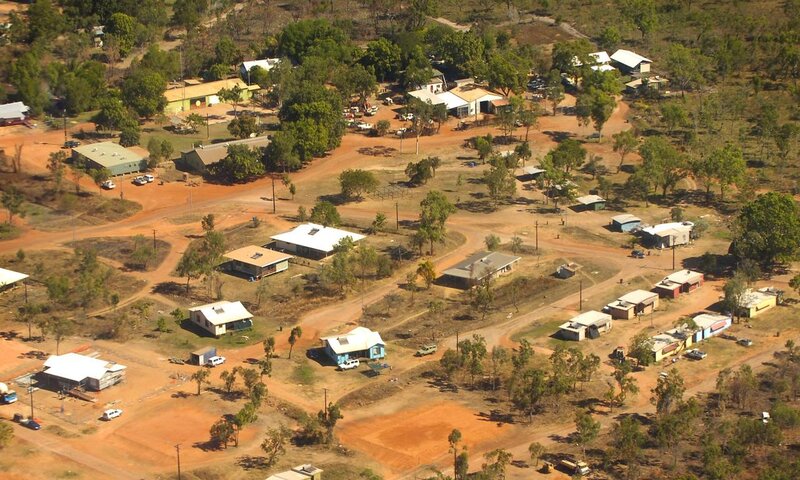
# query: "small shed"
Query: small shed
{"points": [[625, 222], [586, 325], [528, 174], [755, 302], [680, 282], [71, 370], [222, 317], [201, 356], [709, 324], [591, 202], [265, 64], [359, 342], [630, 305], [256, 262], [478, 267], [300, 472], [10, 278], [566, 270]]}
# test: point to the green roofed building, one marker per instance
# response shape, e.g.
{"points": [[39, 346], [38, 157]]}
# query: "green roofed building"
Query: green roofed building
{"points": [[116, 158]]}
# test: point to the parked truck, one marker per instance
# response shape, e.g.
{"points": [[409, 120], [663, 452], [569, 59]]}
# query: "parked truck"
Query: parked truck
{"points": [[7, 395]]}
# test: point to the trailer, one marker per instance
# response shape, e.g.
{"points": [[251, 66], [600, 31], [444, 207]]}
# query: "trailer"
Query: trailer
{"points": [[201, 357], [7, 396]]}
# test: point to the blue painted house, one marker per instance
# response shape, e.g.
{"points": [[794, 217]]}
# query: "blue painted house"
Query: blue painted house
{"points": [[359, 342], [709, 325], [625, 222]]}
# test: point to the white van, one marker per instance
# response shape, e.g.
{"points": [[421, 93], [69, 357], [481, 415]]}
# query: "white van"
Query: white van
{"points": [[349, 364], [216, 360]]}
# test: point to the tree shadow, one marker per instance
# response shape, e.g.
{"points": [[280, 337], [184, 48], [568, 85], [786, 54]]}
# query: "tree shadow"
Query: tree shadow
{"points": [[496, 416], [475, 206], [334, 198], [251, 462], [207, 446]]}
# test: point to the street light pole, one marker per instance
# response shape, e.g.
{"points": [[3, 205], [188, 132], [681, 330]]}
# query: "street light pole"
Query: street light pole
{"points": [[30, 392], [178, 449], [64, 117]]}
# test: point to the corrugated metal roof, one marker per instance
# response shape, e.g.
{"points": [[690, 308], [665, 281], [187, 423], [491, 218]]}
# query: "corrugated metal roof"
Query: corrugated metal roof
{"points": [[316, 237]]}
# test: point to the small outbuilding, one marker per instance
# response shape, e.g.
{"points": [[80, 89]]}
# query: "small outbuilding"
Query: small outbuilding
{"points": [[359, 342], [479, 267], [625, 222], [265, 64], [221, 317], [201, 356], [71, 370], [591, 202], [586, 325], [709, 324], [566, 270], [9, 279], [13, 113], [529, 173], [667, 235], [680, 282], [755, 302], [630, 62], [633, 304], [199, 158], [312, 240], [300, 472], [112, 156], [256, 262]]}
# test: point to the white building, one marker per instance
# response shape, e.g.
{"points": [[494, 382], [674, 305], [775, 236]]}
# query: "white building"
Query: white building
{"points": [[300, 472], [630, 62], [359, 342], [8, 278], [65, 372], [586, 325], [667, 235], [222, 317], [266, 64], [13, 113], [312, 240]]}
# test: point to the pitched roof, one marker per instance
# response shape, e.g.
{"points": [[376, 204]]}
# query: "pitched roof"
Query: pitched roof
{"points": [[600, 58], [529, 170], [480, 265], [664, 228], [625, 218], [13, 111], [638, 296], [590, 199], [426, 96], [215, 152], [258, 256], [586, 319], [679, 278], [471, 93], [316, 237], [706, 320], [108, 154], [205, 89], [220, 313], [452, 100], [76, 367], [356, 340], [265, 63], [8, 277], [752, 298], [628, 58]]}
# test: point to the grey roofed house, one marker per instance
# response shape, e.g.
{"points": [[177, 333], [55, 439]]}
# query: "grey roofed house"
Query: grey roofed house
{"points": [[529, 173], [73, 370], [480, 266], [113, 156], [201, 157]]}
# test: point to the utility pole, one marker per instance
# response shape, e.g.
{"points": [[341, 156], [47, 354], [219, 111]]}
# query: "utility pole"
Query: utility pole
{"points": [[178, 449], [64, 116], [154, 242], [273, 192], [580, 296], [397, 216], [208, 129], [325, 406], [537, 236], [30, 392], [673, 253]]}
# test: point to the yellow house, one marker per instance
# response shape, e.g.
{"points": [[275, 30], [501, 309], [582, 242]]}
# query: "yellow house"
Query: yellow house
{"points": [[755, 302], [193, 95]]}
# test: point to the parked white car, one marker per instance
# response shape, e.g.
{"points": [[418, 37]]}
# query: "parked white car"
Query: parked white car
{"points": [[349, 364], [140, 180], [111, 414], [364, 126], [149, 178], [216, 360], [108, 185]]}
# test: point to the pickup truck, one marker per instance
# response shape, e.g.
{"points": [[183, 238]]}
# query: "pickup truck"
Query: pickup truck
{"points": [[426, 350]]}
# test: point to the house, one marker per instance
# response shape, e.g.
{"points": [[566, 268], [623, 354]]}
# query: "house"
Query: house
{"points": [[671, 342], [591, 202], [255, 262], [478, 99], [221, 317], [528, 174], [359, 342], [198, 159], [13, 113], [200, 95], [630, 305], [709, 324], [667, 235], [436, 84], [586, 325], [112, 156], [567, 270], [454, 104], [754, 302], [68, 371], [625, 222], [300, 472], [600, 62], [266, 64], [683, 281], [630, 62], [478, 267], [9, 279], [312, 240], [640, 84]]}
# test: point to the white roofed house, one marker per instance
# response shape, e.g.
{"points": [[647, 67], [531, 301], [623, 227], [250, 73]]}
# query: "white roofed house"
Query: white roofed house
{"points": [[666, 235], [10, 278], [256, 262], [637, 302], [359, 342], [222, 317], [313, 240], [13, 113], [300, 472], [682, 281], [266, 64], [631, 62], [600, 61], [754, 302], [586, 325], [68, 371]]}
